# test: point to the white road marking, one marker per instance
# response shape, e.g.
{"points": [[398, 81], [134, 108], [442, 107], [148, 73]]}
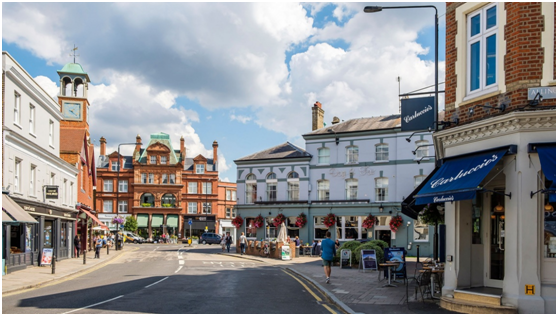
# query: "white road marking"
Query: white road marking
{"points": [[180, 257], [157, 282], [155, 248], [178, 269], [112, 299], [180, 261]]}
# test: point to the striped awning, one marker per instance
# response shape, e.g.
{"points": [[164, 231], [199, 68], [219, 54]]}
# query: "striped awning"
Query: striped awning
{"points": [[156, 220], [172, 221], [143, 220]]}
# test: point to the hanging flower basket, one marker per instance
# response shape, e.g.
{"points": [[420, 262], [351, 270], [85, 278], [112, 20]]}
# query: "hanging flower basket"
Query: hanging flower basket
{"points": [[259, 221], [395, 222], [432, 214], [301, 220], [118, 220], [369, 222], [329, 220], [237, 221], [278, 220]]}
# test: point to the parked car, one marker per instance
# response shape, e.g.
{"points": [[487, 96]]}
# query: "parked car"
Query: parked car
{"points": [[131, 237], [210, 238]]}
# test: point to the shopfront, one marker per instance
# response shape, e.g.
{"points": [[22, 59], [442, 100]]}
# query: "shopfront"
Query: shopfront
{"points": [[172, 225], [200, 224], [143, 225]]}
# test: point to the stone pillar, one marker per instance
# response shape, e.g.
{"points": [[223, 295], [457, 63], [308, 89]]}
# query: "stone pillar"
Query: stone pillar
{"points": [[450, 273], [149, 231]]}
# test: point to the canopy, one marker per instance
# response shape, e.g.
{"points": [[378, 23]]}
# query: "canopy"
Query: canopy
{"points": [[6, 218], [172, 221], [459, 178], [15, 211], [156, 220], [409, 206], [143, 220], [547, 156]]}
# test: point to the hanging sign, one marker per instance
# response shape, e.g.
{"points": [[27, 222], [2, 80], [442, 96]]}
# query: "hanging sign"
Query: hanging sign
{"points": [[46, 258], [51, 192], [417, 114], [369, 259], [345, 262]]}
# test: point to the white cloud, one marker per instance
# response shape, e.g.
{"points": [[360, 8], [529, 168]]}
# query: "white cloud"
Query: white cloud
{"points": [[166, 99], [47, 85], [241, 118]]}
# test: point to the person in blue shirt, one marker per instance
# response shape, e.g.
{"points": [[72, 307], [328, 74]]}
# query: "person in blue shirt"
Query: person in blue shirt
{"points": [[328, 251]]}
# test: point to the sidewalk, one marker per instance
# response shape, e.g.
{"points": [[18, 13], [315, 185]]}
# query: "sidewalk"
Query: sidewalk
{"points": [[356, 291], [34, 276]]}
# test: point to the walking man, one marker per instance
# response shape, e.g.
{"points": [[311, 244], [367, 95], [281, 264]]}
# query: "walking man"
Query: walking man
{"points": [[328, 251], [242, 244], [77, 244], [228, 241]]}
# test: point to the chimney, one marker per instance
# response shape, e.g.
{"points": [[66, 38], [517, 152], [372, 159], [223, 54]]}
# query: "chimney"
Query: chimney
{"points": [[103, 143], [215, 145], [138, 143], [317, 116], [182, 149], [335, 120]]}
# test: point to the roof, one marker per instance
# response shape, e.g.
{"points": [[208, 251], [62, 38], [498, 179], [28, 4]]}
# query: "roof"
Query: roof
{"points": [[72, 140], [283, 151], [361, 124], [73, 69], [103, 161], [164, 139]]}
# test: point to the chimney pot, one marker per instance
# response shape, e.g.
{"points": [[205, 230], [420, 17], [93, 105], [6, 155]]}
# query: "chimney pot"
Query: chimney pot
{"points": [[103, 143]]}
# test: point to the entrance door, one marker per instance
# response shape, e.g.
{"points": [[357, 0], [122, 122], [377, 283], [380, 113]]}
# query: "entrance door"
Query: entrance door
{"points": [[384, 235], [494, 275]]}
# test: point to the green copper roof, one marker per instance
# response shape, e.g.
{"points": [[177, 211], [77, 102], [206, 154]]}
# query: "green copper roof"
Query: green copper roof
{"points": [[73, 68], [165, 140]]}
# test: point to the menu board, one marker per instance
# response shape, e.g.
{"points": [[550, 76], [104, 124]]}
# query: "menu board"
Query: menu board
{"points": [[369, 259], [46, 259]]}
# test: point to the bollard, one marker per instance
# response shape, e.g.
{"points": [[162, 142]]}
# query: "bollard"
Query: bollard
{"points": [[84, 258], [418, 253], [53, 263], [108, 246]]}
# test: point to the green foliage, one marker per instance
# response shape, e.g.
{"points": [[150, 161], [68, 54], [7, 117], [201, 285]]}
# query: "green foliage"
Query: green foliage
{"points": [[370, 245], [352, 245], [382, 244], [195, 237], [146, 204], [131, 224], [167, 205]]}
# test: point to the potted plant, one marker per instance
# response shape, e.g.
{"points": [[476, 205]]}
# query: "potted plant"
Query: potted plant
{"points": [[237, 221], [145, 204], [369, 222], [301, 220], [395, 222], [329, 220], [195, 240]]}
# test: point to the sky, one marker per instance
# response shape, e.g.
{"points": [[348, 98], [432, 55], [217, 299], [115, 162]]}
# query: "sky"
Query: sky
{"points": [[243, 74]]}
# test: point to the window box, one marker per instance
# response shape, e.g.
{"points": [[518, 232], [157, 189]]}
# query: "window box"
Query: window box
{"points": [[146, 205]]}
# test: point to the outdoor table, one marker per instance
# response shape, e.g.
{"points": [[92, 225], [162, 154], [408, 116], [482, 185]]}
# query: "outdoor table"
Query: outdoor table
{"points": [[390, 265], [306, 250]]}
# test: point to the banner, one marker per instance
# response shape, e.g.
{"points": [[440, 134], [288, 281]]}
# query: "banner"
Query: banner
{"points": [[417, 114], [46, 259], [369, 259]]}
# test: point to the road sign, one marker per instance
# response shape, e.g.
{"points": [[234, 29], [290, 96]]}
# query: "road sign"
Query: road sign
{"points": [[190, 222]]}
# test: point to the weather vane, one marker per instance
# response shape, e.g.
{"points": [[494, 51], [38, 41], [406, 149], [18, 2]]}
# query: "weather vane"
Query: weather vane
{"points": [[74, 53]]}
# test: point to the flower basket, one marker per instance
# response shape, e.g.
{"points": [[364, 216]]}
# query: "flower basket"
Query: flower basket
{"points": [[369, 222], [395, 222], [259, 221], [278, 220], [301, 220], [237, 221], [329, 220], [432, 214], [118, 220]]}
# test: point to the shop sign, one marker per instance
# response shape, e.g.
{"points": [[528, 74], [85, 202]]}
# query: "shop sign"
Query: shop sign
{"points": [[345, 259], [29, 208], [417, 113], [51, 192], [545, 92], [529, 289], [46, 258]]}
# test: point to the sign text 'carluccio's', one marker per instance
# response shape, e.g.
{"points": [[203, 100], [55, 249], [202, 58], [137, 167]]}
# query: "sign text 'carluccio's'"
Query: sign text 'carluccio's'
{"points": [[417, 114]]}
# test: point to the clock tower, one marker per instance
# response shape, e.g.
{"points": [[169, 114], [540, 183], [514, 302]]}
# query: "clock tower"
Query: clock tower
{"points": [[73, 97]]}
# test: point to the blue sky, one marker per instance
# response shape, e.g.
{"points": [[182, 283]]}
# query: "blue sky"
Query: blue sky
{"points": [[247, 77]]}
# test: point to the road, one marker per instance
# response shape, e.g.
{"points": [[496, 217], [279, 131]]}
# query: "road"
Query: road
{"points": [[175, 279]]}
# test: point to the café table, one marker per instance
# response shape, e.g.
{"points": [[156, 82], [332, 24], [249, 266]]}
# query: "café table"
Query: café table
{"points": [[390, 266], [306, 250]]}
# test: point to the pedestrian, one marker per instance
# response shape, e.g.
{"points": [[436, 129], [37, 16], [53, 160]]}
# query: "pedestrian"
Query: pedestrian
{"points": [[337, 244], [77, 244], [98, 246], [328, 251], [228, 241], [242, 244], [223, 243]]}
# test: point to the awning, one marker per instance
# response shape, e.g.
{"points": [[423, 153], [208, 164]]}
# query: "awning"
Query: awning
{"points": [[409, 206], [459, 178], [547, 156], [172, 221], [6, 218], [15, 211], [143, 220], [156, 220], [94, 218]]}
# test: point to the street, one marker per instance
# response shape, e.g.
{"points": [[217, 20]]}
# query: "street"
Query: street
{"points": [[173, 279]]}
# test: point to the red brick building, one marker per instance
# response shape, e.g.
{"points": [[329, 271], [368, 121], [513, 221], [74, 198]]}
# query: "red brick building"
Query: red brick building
{"points": [[226, 207]]}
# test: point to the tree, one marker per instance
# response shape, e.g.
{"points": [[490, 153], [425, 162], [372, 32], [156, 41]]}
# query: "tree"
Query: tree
{"points": [[131, 224]]}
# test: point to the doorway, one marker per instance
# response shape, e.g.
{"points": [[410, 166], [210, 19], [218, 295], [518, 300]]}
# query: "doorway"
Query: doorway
{"points": [[384, 235], [496, 244]]}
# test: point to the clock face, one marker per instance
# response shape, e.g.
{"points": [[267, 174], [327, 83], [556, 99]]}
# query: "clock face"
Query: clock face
{"points": [[72, 111]]}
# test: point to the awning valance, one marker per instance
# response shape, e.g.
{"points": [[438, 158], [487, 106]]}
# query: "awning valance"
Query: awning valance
{"points": [[15, 211], [6, 218], [156, 220], [172, 221], [547, 156], [459, 178], [143, 220]]}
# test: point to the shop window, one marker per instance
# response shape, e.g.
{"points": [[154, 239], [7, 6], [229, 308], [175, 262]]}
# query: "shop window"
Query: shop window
{"points": [[323, 156], [320, 229], [168, 200], [147, 200], [349, 228], [250, 228], [549, 209], [477, 220], [272, 230]]}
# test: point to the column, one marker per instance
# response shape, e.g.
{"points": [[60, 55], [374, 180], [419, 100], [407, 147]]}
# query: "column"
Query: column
{"points": [[149, 232]]}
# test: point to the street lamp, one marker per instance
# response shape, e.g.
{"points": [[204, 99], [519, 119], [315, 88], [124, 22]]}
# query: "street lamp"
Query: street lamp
{"points": [[118, 183], [374, 9]]}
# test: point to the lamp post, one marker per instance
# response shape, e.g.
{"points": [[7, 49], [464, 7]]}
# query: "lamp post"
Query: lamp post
{"points": [[374, 9], [118, 185]]}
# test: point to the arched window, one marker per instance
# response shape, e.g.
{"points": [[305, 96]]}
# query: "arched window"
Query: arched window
{"points": [[78, 87], [168, 200], [251, 189], [271, 176], [147, 200], [293, 192], [293, 175], [67, 86], [271, 189]]}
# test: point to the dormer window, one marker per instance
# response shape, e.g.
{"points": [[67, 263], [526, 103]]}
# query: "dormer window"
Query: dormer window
{"points": [[200, 168], [153, 159], [114, 165], [163, 160]]}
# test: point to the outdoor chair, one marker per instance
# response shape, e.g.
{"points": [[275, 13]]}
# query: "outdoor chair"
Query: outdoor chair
{"points": [[423, 284]]}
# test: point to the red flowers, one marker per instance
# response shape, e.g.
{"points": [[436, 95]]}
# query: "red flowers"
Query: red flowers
{"points": [[369, 222], [395, 222], [301, 220], [237, 221], [258, 222], [278, 220], [329, 220]]}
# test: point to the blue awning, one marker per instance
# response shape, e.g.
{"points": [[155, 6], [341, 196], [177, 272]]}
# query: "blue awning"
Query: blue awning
{"points": [[547, 156], [459, 178]]}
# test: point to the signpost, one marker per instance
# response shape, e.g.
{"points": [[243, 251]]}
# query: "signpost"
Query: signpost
{"points": [[369, 261], [345, 259]]}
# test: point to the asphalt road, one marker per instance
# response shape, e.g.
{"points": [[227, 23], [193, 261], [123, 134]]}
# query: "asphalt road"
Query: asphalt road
{"points": [[176, 280]]}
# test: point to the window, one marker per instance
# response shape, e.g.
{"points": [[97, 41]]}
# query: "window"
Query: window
{"points": [[192, 208], [147, 200], [271, 187], [382, 153], [233, 194], [206, 208], [64, 192], [31, 119], [51, 133], [352, 154], [144, 178], [323, 190], [323, 156], [107, 206], [172, 178], [381, 189], [250, 228], [164, 178], [32, 177], [52, 176], [192, 187], [228, 212], [251, 189], [168, 200], [114, 165], [71, 195], [293, 191], [200, 168], [206, 188], [82, 176], [421, 149], [482, 32], [418, 180], [123, 186], [228, 195], [163, 160], [420, 231], [17, 108], [320, 229], [153, 159], [107, 185], [122, 206], [151, 178], [351, 189]]}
